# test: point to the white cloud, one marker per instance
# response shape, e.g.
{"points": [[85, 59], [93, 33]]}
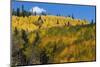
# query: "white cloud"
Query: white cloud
{"points": [[37, 9]]}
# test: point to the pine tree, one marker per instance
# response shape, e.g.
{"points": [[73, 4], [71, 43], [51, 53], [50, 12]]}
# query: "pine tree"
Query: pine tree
{"points": [[43, 57], [92, 21], [18, 12], [24, 37], [16, 31], [23, 12], [35, 13], [36, 38], [43, 13], [13, 12], [22, 60], [72, 16]]}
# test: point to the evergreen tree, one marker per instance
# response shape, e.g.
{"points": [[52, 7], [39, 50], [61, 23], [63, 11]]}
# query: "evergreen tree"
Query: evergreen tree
{"points": [[35, 13], [69, 16], [92, 21], [43, 57], [23, 12], [72, 16], [18, 12], [24, 37], [43, 13], [16, 31], [13, 12], [22, 60], [36, 38]]}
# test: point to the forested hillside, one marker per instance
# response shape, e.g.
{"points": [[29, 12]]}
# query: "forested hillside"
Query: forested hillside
{"points": [[52, 39]]}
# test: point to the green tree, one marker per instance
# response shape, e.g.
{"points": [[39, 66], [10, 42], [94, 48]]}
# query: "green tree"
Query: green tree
{"points": [[13, 12], [18, 11], [92, 21], [43, 57], [16, 31], [25, 38], [23, 12], [43, 13], [22, 60], [72, 16], [37, 38]]}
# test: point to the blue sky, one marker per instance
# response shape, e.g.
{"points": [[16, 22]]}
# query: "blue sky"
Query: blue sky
{"points": [[78, 11]]}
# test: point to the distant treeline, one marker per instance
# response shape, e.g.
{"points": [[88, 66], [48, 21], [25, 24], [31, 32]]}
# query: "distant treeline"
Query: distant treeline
{"points": [[22, 12]]}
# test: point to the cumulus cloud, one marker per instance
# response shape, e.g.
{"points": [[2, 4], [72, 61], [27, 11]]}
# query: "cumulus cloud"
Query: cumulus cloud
{"points": [[37, 10]]}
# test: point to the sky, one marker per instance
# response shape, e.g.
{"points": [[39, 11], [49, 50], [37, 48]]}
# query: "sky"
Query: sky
{"points": [[78, 11]]}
